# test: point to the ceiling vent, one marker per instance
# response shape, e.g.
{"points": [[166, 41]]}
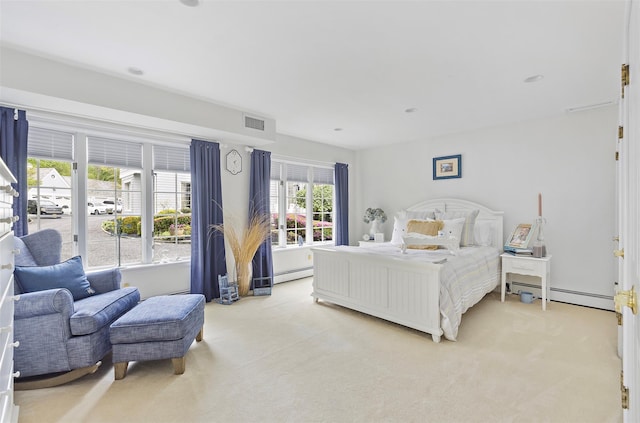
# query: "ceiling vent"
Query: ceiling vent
{"points": [[253, 123]]}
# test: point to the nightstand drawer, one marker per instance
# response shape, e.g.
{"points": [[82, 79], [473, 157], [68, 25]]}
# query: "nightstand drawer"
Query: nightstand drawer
{"points": [[523, 266]]}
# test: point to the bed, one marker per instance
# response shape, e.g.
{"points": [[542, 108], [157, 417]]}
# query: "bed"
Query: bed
{"points": [[427, 290]]}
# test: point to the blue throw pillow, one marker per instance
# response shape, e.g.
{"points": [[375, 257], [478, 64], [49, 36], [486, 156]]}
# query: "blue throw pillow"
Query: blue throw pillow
{"points": [[68, 274]]}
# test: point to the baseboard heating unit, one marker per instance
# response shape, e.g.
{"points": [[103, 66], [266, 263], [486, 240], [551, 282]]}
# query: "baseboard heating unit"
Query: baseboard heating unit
{"points": [[588, 299]]}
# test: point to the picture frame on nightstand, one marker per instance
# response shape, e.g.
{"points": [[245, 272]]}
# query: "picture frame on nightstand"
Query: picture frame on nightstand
{"points": [[520, 237]]}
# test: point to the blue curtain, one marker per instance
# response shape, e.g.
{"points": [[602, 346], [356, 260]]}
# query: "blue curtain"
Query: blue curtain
{"points": [[207, 246], [341, 226], [13, 150], [259, 204]]}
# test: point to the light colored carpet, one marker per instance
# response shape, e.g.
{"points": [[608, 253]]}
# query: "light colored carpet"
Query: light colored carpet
{"points": [[285, 358]]}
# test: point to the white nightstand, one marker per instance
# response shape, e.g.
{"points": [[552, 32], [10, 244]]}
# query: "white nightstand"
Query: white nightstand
{"points": [[530, 266]]}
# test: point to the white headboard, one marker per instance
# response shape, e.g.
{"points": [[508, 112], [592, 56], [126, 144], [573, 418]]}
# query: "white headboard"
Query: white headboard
{"points": [[454, 204]]}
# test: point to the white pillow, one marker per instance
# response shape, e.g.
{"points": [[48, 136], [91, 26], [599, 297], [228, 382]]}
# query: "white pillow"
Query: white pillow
{"points": [[483, 233], [420, 214], [401, 219], [453, 227], [399, 229], [466, 239]]}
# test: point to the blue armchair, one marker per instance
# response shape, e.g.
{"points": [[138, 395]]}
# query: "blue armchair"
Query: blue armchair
{"points": [[59, 337]]}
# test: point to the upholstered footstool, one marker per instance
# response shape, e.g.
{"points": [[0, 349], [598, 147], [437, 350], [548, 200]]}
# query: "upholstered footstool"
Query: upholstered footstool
{"points": [[157, 328]]}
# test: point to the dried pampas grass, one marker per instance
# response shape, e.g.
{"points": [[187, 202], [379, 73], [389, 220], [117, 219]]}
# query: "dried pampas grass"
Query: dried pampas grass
{"points": [[244, 246]]}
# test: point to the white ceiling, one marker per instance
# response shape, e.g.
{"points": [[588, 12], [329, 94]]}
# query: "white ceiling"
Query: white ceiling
{"points": [[314, 66]]}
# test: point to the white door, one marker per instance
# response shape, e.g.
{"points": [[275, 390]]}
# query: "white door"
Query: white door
{"points": [[629, 206]]}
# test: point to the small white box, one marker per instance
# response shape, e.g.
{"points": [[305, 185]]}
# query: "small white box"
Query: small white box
{"points": [[378, 237]]}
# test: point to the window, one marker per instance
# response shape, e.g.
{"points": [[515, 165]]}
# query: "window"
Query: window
{"points": [[114, 175], [171, 203], [322, 204], [301, 203], [186, 194], [101, 187], [50, 184]]}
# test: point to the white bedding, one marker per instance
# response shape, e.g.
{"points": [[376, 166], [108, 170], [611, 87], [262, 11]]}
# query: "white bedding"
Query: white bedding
{"points": [[465, 278]]}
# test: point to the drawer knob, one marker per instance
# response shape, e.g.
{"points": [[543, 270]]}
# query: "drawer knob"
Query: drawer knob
{"points": [[8, 266], [15, 251], [16, 298], [10, 190], [16, 374], [10, 219], [16, 344]]}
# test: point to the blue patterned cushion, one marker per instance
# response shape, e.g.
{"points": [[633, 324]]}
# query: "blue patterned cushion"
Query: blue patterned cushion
{"points": [[98, 311], [68, 274]]}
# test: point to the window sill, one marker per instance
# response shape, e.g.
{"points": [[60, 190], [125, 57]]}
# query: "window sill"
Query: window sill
{"points": [[303, 247]]}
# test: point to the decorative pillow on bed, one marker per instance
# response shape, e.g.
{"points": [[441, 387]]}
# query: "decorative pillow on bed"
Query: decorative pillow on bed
{"points": [[68, 274], [467, 238], [424, 227], [399, 228], [453, 227], [484, 232], [420, 214], [400, 223]]}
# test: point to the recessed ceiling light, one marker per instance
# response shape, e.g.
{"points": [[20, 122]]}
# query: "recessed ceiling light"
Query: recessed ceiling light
{"points": [[411, 110], [190, 3], [534, 78], [135, 71], [337, 129]]}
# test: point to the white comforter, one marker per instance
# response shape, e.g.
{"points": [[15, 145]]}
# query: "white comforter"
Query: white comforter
{"points": [[466, 277]]}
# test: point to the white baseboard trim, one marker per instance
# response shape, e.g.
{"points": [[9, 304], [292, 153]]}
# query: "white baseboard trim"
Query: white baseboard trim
{"points": [[292, 275], [583, 298], [567, 296]]}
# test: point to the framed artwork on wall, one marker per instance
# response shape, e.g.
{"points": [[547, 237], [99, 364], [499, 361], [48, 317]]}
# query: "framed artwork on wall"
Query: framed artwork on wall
{"points": [[447, 167]]}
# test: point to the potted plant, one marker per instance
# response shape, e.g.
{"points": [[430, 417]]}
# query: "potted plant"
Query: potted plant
{"points": [[376, 217]]}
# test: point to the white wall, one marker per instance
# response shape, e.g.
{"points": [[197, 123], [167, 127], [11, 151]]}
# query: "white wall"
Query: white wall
{"points": [[569, 159]]}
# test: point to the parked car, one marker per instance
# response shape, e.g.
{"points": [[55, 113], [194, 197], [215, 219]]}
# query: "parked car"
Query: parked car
{"points": [[46, 207], [97, 208], [113, 205]]}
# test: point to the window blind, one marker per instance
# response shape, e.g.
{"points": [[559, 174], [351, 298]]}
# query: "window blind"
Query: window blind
{"points": [[104, 151], [322, 175], [50, 144], [299, 173], [275, 170], [175, 159]]}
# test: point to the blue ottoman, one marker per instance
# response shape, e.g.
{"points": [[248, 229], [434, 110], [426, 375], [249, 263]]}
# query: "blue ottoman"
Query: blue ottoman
{"points": [[157, 328]]}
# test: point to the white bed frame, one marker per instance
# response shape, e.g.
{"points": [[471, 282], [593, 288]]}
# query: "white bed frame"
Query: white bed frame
{"points": [[403, 292]]}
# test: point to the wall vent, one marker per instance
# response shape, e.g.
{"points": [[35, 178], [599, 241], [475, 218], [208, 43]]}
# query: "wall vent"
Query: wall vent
{"points": [[253, 123]]}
